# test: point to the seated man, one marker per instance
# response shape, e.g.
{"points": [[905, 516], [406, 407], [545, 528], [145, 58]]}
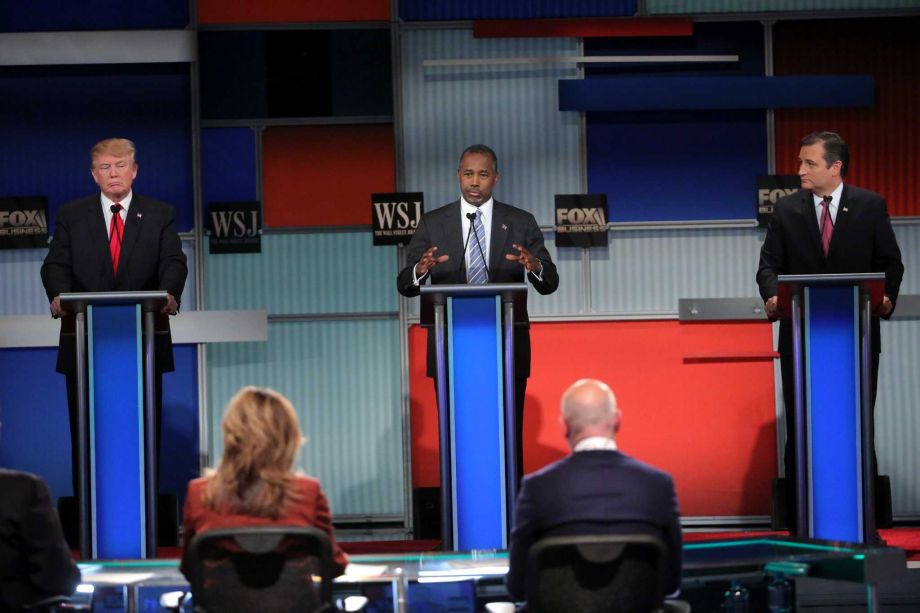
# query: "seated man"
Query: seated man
{"points": [[595, 490], [35, 563]]}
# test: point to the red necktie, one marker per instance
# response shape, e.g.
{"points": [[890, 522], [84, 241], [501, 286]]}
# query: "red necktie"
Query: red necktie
{"points": [[116, 231], [827, 224]]}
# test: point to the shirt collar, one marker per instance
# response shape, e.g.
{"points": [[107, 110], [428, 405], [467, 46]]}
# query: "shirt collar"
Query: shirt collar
{"points": [[125, 202], [485, 207], [836, 195], [594, 443]]}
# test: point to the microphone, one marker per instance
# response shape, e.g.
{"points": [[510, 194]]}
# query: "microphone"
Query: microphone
{"points": [[472, 218]]}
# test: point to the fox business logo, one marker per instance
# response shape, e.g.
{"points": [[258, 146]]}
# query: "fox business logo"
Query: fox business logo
{"points": [[235, 227], [23, 222], [770, 188], [395, 217], [581, 219]]}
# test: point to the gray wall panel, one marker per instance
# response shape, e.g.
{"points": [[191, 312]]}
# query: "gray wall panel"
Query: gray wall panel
{"points": [[21, 290], [343, 378], [336, 272], [513, 109], [647, 271]]}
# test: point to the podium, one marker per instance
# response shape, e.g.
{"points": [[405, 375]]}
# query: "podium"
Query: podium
{"points": [[114, 337], [474, 343], [831, 335]]}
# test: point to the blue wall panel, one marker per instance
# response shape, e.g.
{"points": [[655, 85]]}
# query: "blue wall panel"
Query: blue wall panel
{"points": [[677, 166], [426, 10], [46, 15], [50, 117], [228, 165]]}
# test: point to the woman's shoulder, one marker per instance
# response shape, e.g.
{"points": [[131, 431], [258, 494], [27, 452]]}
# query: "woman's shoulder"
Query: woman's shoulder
{"points": [[197, 485]]}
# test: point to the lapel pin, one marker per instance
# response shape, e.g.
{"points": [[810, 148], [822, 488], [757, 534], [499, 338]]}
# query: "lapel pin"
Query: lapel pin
{"points": [[846, 210], [139, 215], [504, 227]]}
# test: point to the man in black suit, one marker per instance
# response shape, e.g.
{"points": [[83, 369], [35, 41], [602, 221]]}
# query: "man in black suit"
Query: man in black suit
{"points": [[508, 248], [827, 227], [595, 490], [113, 241], [35, 562]]}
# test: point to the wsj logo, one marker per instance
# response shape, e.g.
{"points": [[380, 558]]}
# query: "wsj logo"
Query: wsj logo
{"points": [[236, 224], [398, 215], [770, 196], [20, 222]]}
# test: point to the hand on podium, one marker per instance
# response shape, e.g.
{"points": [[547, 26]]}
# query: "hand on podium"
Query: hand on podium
{"points": [[172, 307], [771, 306]]}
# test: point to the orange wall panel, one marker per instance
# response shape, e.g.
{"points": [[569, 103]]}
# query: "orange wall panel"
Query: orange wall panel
{"points": [[291, 11], [884, 139], [325, 175], [710, 423]]}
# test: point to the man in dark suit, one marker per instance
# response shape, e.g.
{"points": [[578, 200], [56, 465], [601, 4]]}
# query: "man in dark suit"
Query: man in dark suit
{"points": [[827, 227], [35, 562], [113, 241], [595, 490], [503, 244]]}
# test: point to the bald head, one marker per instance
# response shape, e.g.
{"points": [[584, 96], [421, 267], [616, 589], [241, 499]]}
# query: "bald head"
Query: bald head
{"points": [[589, 408]]}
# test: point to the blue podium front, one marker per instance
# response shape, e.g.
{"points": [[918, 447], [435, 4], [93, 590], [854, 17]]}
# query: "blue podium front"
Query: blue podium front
{"points": [[474, 328], [831, 322], [115, 405]]}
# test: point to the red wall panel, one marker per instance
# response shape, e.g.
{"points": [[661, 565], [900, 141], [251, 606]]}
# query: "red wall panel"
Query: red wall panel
{"points": [[710, 423], [885, 139], [291, 11], [324, 175]]}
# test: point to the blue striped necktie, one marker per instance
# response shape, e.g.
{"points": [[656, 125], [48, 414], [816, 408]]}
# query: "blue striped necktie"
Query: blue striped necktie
{"points": [[476, 274]]}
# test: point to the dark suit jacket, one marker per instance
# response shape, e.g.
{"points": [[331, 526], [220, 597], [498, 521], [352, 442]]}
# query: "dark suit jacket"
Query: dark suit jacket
{"points": [[79, 261], [863, 241], [34, 560], [594, 492], [510, 225], [312, 509]]}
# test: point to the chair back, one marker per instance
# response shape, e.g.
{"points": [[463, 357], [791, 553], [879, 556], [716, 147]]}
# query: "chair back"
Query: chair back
{"points": [[261, 568], [598, 573]]}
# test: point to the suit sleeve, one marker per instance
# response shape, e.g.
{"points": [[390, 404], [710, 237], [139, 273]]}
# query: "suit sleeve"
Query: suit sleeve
{"points": [[57, 269], [522, 539], [673, 538], [172, 268], [886, 255], [323, 521], [51, 569], [549, 277], [772, 258], [420, 243]]}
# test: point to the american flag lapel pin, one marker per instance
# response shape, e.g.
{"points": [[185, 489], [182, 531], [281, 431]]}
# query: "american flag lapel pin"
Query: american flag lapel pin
{"points": [[139, 215], [846, 210], [504, 227]]}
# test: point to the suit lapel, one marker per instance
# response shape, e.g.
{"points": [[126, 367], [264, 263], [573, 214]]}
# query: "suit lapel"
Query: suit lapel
{"points": [[97, 240], [133, 220], [453, 238], [842, 223], [811, 220], [501, 227]]}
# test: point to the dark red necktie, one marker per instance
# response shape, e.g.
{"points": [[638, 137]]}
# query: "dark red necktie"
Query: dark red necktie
{"points": [[116, 231], [827, 224]]}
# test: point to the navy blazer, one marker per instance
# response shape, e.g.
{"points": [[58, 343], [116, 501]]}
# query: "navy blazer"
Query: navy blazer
{"points": [[79, 261], [35, 562], [595, 492], [863, 241], [442, 227]]}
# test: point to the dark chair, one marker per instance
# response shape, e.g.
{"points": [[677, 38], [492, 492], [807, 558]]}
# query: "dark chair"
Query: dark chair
{"points": [[597, 573], [267, 569]]}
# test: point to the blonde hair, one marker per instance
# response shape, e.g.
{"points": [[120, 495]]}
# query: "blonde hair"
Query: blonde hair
{"points": [[261, 439], [119, 147]]}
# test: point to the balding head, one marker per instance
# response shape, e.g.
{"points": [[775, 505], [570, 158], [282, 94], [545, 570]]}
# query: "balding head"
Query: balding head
{"points": [[589, 408]]}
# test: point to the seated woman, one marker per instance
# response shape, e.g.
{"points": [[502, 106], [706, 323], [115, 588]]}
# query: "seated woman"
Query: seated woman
{"points": [[254, 484]]}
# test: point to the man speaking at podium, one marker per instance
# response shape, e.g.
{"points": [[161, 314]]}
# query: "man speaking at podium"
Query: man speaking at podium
{"points": [[477, 239], [113, 241], [827, 227]]}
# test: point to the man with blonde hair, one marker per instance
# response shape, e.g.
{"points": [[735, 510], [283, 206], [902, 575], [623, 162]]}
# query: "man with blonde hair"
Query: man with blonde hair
{"points": [[114, 240], [595, 490]]}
